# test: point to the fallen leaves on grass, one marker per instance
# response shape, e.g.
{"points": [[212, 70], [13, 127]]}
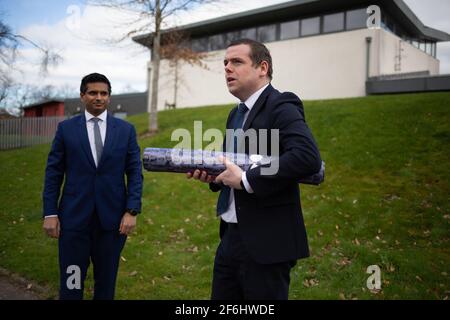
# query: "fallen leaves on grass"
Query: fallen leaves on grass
{"points": [[344, 262], [390, 268], [310, 283]]}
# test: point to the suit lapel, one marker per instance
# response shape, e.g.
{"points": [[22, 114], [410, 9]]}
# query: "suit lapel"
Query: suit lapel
{"points": [[82, 131], [110, 137], [228, 126], [257, 107]]}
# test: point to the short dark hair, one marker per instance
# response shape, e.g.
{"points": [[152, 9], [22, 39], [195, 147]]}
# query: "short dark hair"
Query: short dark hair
{"points": [[94, 77], [258, 53]]}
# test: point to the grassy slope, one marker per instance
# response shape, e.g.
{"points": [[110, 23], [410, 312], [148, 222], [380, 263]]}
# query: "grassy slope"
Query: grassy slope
{"points": [[385, 202]]}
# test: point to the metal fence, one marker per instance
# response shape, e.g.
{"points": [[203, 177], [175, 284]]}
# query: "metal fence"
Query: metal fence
{"points": [[26, 132]]}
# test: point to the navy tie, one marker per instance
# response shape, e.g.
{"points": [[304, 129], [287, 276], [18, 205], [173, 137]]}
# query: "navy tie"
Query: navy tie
{"points": [[224, 197]]}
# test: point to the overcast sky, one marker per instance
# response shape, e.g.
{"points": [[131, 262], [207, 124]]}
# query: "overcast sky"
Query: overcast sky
{"points": [[77, 31]]}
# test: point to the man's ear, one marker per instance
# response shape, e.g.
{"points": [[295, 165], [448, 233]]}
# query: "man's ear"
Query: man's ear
{"points": [[264, 67]]}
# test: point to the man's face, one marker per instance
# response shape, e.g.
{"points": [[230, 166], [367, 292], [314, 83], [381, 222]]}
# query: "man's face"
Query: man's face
{"points": [[96, 98], [242, 77]]}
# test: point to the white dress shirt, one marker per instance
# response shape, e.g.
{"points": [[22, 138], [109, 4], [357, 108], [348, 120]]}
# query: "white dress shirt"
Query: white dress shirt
{"points": [[230, 215], [90, 131]]}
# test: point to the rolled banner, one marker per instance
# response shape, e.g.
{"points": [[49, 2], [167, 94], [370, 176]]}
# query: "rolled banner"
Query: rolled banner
{"points": [[187, 160]]}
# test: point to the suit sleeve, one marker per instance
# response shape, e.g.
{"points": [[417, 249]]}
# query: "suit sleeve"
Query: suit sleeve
{"points": [[133, 170], [54, 174], [214, 187], [300, 155]]}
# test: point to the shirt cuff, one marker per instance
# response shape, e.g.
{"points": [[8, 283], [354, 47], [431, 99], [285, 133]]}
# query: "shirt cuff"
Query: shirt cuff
{"points": [[51, 216], [247, 185]]}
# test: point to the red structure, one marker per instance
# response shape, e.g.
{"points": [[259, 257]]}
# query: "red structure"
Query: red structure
{"points": [[49, 108], [41, 119]]}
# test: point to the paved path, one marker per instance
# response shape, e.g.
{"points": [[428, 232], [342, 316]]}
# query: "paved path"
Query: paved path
{"points": [[13, 287]]}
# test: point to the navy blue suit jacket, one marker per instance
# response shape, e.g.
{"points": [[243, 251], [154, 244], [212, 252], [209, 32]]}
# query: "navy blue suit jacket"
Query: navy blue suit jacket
{"points": [[270, 219], [88, 188]]}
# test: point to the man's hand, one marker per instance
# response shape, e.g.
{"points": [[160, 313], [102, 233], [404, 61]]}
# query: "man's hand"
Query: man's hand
{"points": [[51, 227], [232, 176], [200, 175], [127, 224]]}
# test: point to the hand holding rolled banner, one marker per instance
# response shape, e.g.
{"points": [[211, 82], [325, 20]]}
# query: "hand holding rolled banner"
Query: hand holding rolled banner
{"points": [[187, 160]]}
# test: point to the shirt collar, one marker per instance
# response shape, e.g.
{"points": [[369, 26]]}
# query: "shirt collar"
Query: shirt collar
{"points": [[102, 116], [250, 102]]}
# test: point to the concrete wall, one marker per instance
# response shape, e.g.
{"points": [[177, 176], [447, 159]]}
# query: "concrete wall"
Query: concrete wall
{"points": [[412, 59], [317, 67]]}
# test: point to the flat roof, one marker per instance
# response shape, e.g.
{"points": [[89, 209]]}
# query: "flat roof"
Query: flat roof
{"points": [[285, 11]]}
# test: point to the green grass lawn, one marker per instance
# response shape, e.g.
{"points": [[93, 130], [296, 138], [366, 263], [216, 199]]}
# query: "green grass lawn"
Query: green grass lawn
{"points": [[385, 202]]}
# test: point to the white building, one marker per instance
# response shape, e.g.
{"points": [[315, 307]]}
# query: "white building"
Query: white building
{"points": [[321, 49]]}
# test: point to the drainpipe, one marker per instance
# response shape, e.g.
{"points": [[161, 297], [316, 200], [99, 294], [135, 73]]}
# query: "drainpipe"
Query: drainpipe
{"points": [[368, 41]]}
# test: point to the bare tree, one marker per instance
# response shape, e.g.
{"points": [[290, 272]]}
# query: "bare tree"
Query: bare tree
{"points": [[151, 16], [175, 50], [9, 44], [6, 84]]}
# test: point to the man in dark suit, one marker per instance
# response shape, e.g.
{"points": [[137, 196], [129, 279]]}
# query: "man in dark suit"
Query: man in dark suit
{"points": [[262, 230], [92, 153]]}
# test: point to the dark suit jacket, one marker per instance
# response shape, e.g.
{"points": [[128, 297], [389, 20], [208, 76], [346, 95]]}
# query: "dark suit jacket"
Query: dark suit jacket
{"points": [[270, 219], [87, 187]]}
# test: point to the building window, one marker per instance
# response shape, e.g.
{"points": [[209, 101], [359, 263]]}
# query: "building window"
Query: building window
{"points": [[216, 42], [356, 19], [422, 46], [387, 24], [289, 30], [231, 36], [333, 22], [200, 44], [310, 26], [428, 48], [249, 33], [267, 33], [433, 49]]}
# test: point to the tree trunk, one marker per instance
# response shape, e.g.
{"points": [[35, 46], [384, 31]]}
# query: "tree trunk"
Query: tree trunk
{"points": [[175, 93], [153, 117]]}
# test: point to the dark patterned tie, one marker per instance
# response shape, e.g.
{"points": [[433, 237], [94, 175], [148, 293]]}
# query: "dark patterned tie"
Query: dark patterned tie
{"points": [[224, 196], [97, 139]]}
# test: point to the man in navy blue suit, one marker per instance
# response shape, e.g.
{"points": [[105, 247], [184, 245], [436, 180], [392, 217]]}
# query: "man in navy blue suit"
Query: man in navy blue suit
{"points": [[92, 153], [261, 224]]}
